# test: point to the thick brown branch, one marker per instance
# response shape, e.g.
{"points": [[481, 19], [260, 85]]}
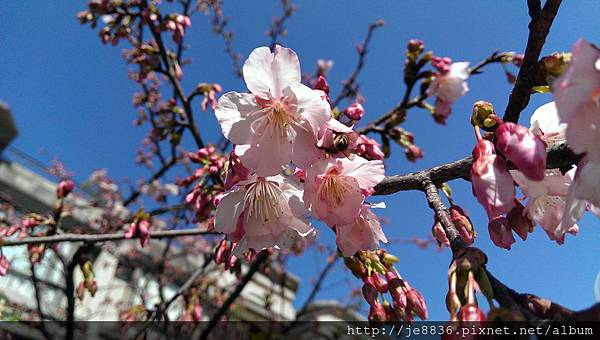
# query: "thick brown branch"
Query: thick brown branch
{"points": [[539, 27], [87, 238], [559, 157]]}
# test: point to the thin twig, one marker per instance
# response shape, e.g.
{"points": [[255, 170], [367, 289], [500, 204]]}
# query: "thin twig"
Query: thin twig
{"points": [[260, 259], [95, 238]]}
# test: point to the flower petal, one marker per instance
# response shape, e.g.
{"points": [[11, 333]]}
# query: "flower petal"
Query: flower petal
{"points": [[229, 210], [266, 74], [236, 112]]}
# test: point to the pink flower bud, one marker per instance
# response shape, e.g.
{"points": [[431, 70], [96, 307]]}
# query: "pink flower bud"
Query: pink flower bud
{"points": [[380, 283], [416, 302], [4, 265], [322, 85], [413, 153], [80, 291], [463, 223], [222, 251], [369, 293], [213, 170], [439, 234], [377, 313], [197, 312], [354, 111], [500, 233], [471, 313], [415, 45], [396, 289], [520, 223], [524, 149], [130, 231], [64, 188], [144, 230]]}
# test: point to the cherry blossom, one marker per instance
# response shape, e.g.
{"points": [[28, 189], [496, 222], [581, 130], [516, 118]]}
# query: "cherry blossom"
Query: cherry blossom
{"points": [[447, 87], [546, 199], [362, 234], [262, 212], [577, 94], [492, 184], [279, 112], [335, 189]]}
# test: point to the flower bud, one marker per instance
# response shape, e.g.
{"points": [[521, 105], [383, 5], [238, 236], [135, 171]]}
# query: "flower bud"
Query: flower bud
{"points": [[471, 313], [463, 223], [415, 46], [500, 233], [64, 188], [416, 302], [524, 149], [369, 293], [483, 115], [80, 291], [144, 230], [377, 313], [354, 111], [437, 230], [322, 84], [380, 283], [4, 265], [520, 223], [396, 289], [413, 153], [356, 266]]}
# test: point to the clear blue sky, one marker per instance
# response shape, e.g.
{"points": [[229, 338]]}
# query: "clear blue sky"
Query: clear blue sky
{"points": [[71, 98]]}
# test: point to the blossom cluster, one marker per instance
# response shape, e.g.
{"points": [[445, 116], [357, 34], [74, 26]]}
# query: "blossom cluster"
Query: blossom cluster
{"points": [[556, 198], [292, 160]]}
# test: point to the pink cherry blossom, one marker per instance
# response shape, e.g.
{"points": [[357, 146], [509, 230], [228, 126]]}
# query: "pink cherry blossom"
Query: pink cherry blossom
{"points": [[262, 212], [546, 199], [279, 112], [335, 189], [577, 94], [524, 149], [584, 194], [492, 184], [447, 88], [362, 234]]}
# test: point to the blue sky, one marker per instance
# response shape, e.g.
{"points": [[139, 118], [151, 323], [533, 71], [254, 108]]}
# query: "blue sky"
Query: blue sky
{"points": [[72, 99]]}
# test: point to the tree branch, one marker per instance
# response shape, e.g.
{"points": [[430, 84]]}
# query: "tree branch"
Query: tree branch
{"points": [[260, 259], [559, 157], [539, 27], [95, 238]]}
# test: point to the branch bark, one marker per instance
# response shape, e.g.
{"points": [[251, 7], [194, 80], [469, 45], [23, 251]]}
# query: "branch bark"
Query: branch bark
{"points": [[539, 27]]}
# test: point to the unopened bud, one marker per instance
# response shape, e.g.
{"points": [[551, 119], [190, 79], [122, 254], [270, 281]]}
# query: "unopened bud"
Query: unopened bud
{"points": [[471, 313], [520, 223], [64, 188], [354, 111], [483, 115], [322, 84]]}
